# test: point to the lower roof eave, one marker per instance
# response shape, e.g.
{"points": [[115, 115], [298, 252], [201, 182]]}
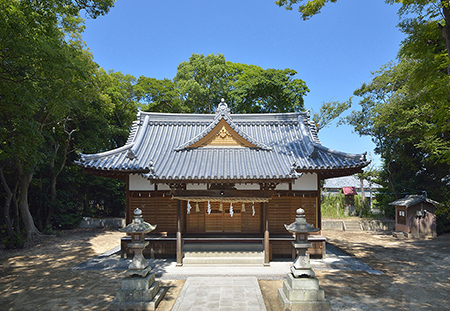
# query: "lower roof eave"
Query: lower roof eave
{"points": [[336, 172], [117, 174]]}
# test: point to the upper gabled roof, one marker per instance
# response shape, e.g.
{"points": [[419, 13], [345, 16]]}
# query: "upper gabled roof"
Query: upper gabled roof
{"points": [[169, 147], [222, 132]]}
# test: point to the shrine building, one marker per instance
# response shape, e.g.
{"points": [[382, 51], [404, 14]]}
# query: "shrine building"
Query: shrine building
{"points": [[214, 180]]}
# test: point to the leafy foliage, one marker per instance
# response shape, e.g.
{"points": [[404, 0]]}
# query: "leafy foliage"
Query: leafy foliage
{"points": [[204, 80], [330, 111], [307, 8]]}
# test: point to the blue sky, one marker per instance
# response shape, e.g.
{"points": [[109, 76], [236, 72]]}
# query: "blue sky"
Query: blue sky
{"points": [[334, 52]]}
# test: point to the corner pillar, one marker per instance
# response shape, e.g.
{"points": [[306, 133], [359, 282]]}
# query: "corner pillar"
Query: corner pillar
{"points": [[179, 241], [266, 234]]}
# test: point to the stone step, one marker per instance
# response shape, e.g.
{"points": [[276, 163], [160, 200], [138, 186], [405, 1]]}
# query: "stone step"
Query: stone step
{"points": [[223, 247], [187, 261], [223, 254], [352, 226]]}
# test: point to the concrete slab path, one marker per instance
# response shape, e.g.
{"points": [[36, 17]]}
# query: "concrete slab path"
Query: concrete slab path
{"points": [[220, 294]]}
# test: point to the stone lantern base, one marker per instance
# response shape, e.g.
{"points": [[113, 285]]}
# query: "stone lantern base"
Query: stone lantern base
{"points": [[303, 294], [140, 293]]}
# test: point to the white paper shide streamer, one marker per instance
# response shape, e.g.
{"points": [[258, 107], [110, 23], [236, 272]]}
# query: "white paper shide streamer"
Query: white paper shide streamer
{"points": [[189, 207], [231, 210], [209, 208]]}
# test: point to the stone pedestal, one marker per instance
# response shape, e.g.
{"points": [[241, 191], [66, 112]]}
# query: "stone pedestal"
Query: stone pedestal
{"points": [[140, 293], [301, 290], [303, 294]]}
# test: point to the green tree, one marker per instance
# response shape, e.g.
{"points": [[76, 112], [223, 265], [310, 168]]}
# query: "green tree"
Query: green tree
{"points": [[42, 73], [204, 80], [200, 81], [328, 112], [159, 95], [255, 90]]}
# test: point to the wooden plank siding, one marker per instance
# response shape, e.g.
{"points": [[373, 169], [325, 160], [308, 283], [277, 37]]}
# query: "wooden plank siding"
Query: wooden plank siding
{"points": [[221, 221], [160, 209], [157, 209], [282, 211]]}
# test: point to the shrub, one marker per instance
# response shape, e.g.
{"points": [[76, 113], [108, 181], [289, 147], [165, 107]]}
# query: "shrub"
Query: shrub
{"points": [[16, 241]]}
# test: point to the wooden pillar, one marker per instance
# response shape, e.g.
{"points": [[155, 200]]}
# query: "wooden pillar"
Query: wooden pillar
{"points": [[266, 234], [179, 242], [127, 201], [318, 204]]}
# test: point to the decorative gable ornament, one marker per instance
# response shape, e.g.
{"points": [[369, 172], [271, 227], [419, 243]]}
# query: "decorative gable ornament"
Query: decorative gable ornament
{"points": [[223, 132]]}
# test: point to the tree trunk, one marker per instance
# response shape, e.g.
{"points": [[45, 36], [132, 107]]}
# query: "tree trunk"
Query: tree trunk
{"points": [[6, 209], [24, 184], [445, 30], [51, 209], [54, 175], [363, 196], [16, 209]]}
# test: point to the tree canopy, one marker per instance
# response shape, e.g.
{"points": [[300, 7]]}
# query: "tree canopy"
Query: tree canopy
{"points": [[44, 75], [406, 111], [204, 80]]}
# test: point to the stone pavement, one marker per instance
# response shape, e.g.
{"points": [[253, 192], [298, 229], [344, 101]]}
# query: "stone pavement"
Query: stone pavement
{"points": [[335, 260], [221, 294], [225, 288]]}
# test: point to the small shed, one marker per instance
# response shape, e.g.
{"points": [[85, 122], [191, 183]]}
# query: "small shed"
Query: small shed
{"points": [[415, 215]]}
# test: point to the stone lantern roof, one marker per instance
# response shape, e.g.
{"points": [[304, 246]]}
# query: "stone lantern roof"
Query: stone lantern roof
{"points": [[300, 225], [138, 225]]}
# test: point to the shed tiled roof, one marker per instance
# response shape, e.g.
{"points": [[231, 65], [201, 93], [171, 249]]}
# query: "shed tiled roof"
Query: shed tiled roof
{"points": [[413, 199], [286, 145]]}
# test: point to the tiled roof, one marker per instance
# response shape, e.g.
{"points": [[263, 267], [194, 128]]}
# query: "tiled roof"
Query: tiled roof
{"points": [[286, 144], [413, 199], [347, 181]]}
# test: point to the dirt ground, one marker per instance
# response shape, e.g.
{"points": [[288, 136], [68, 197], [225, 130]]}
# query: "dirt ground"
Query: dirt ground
{"points": [[416, 274]]}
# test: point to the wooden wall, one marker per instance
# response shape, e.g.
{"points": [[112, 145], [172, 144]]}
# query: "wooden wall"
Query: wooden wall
{"points": [[221, 221], [282, 210], [160, 209]]}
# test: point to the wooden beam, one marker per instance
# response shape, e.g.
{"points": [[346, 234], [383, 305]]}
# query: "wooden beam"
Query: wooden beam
{"points": [[226, 193]]}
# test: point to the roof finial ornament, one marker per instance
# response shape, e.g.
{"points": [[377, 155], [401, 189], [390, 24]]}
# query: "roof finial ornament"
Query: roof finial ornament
{"points": [[222, 108]]}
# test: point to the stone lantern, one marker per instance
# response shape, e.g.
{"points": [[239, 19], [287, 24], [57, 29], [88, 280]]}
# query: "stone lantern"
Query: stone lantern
{"points": [[301, 290], [139, 289]]}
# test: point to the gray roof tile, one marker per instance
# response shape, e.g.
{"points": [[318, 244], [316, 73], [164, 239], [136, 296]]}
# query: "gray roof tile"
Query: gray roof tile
{"points": [[282, 139]]}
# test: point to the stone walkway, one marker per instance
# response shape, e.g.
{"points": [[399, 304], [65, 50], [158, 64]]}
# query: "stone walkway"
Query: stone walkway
{"points": [[221, 294], [167, 269]]}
